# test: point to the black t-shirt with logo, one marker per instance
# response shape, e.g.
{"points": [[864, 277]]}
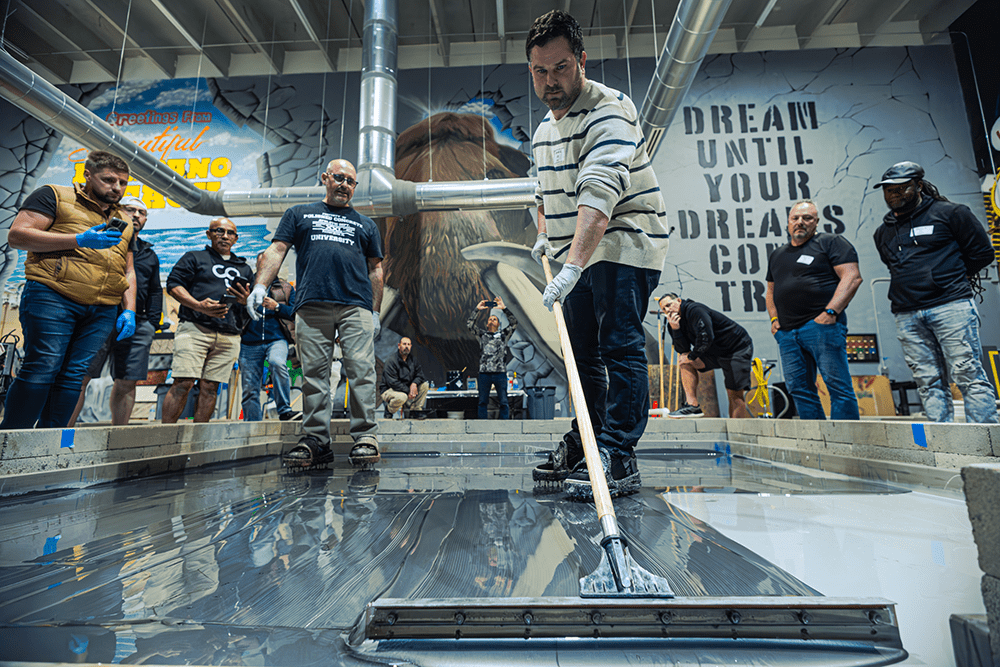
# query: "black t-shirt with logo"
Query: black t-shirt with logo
{"points": [[333, 245], [804, 279], [205, 274]]}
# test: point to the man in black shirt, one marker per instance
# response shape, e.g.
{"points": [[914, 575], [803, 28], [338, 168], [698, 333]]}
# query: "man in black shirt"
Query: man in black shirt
{"points": [[933, 248], [810, 281], [706, 340], [403, 381], [207, 284]]}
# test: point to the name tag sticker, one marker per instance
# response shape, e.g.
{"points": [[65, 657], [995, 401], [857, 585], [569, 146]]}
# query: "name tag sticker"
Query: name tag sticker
{"points": [[805, 259], [925, 230], [559, 153]]}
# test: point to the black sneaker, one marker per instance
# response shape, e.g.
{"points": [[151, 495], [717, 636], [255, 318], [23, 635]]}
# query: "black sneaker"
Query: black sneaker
{"points": [[307, 453], [288, 416], [687, 412], [567, 455], [621, 473]]}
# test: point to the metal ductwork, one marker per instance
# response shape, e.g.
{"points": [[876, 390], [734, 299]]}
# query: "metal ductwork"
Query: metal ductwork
{"points": [[690, 35]]}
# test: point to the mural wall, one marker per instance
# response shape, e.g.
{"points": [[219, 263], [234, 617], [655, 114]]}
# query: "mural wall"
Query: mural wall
{"points": [[759, 131]]}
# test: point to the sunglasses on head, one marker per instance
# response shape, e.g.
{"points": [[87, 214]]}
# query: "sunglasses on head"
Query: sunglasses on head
{"points": [[340, 178]]}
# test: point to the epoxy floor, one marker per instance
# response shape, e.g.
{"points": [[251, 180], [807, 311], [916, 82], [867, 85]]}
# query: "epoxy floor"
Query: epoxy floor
{"points": [[244, 564]]}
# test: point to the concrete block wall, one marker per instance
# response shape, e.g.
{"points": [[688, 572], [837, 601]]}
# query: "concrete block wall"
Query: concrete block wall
{"points": [[982, 494]]}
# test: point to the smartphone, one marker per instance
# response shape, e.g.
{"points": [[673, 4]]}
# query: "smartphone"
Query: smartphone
{"points": [[243, 281], [118, 224], [228, 299]]}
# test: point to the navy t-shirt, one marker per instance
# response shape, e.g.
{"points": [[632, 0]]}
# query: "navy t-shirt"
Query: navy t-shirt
{"points": [[804, 279], [333, 245]]}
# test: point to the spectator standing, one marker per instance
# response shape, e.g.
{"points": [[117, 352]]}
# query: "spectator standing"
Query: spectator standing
{"points": [[269, 339], [339, 270], [810, 281], [207, 284], [403, 381], [79, 269], [493, 355], [600, 212], [130, 356], [934, 250], [705, 340]]}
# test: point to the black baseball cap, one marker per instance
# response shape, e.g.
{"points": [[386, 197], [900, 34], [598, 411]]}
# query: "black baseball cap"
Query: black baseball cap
{"points": [[901, 172]]}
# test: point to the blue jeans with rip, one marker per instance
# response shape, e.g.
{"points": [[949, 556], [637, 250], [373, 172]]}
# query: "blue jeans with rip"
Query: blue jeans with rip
{"points": [[252, 358], [822, 347], [498, 380], [60, 339], [942, 343], [604, 315]]}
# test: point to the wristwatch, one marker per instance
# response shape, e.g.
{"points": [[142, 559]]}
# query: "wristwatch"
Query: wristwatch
{"points": [[831, 311]]}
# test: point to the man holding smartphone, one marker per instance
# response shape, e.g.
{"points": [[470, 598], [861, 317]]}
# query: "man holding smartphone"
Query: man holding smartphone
{"points": [[207, 284], [493, 361]]}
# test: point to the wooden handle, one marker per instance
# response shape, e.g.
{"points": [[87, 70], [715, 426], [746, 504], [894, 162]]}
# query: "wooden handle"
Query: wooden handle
{"points": [[602, 498]]}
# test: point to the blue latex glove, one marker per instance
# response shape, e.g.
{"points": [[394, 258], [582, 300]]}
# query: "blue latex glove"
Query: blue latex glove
{"points": [[377, 322], [561, 285], [125, 324], [99, 237], [542, 245]]}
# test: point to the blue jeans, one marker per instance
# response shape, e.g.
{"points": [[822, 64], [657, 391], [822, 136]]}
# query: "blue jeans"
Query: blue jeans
{"points": [[604, 315], [941, 343], [60, 338], [818, 346], [498, 380], [252, 367]]}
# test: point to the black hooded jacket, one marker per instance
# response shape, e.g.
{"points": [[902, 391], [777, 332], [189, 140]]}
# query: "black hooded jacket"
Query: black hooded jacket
{"points": [[707, 333], [931, 253]]}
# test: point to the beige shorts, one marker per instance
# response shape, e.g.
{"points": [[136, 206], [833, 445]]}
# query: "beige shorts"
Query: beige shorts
{"points": [[201, 353]]}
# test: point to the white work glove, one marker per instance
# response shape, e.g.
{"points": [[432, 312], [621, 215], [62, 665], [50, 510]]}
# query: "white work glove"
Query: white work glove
{"points": [[377, 322], [255, 302], [542, 245], [561, 285]]}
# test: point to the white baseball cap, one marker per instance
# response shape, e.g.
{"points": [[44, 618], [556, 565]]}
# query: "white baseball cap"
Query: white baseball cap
{"points": [[133, 201]]}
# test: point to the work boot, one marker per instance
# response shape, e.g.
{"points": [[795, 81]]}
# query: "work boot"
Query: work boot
{"points": [[567, 455], [620, 471], [365, 451], [307, 453]]}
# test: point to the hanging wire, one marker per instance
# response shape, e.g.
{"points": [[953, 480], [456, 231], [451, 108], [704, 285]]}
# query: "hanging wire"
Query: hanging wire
{"points": [[197, 79], [656, 43], [628, 60], [430, 52], [600, 33], [121, 59], [267, 100], [322, 101], [3, 28], [482, 84], [343, 111]]}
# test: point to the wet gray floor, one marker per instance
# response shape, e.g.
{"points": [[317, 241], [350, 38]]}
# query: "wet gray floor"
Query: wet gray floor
{"points": [[246, 564]]}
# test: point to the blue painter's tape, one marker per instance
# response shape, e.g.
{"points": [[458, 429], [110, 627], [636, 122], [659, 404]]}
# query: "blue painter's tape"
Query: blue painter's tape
{"points": [[937, 553], [919, 436], [67, 437], [51, 544]]}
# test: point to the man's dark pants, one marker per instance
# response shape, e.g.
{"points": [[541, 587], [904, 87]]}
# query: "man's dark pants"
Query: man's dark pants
{"points": [[604, 315], [61, 337], [498, 380]]}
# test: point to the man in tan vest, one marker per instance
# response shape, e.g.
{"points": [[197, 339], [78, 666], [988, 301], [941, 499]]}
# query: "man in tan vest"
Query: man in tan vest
{"points": [[78, 270]]}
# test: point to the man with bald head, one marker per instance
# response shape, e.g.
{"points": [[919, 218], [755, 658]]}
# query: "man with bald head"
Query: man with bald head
{"points": [[810, 281], [338, 271]]}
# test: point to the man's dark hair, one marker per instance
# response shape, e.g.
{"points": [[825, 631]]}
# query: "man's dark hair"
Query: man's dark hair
{"points": [[552, 25], [669, 295], [930, 190], [101, 160]]}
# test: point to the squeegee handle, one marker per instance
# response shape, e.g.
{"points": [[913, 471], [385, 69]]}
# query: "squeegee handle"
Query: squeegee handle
{"points": [[602, 498]]}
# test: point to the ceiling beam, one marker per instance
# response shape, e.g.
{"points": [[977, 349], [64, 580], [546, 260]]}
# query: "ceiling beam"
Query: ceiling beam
{"points": [[444, 46], [878, 14], [82, 40], [259, 37], [820, 13], [941, 17], [306, 23], [189, 38], [47, 55], [164, 59]]}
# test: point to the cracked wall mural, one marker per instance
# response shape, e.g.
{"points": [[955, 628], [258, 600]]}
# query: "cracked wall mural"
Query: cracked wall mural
{"points": [[757, 132]]}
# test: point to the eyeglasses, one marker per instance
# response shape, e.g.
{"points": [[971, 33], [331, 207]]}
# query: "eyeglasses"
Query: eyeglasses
{"points": [[132, 209], [221, 231], [340, 178]]}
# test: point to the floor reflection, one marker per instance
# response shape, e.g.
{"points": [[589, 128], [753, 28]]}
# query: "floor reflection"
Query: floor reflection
{"points": [[245, 564]]}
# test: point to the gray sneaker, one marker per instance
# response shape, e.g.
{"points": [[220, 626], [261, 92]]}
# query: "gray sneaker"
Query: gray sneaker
{"points": [[687, 412]]}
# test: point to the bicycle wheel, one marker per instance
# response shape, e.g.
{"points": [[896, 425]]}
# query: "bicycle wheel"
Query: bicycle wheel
{"points": [[769, 404]]}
